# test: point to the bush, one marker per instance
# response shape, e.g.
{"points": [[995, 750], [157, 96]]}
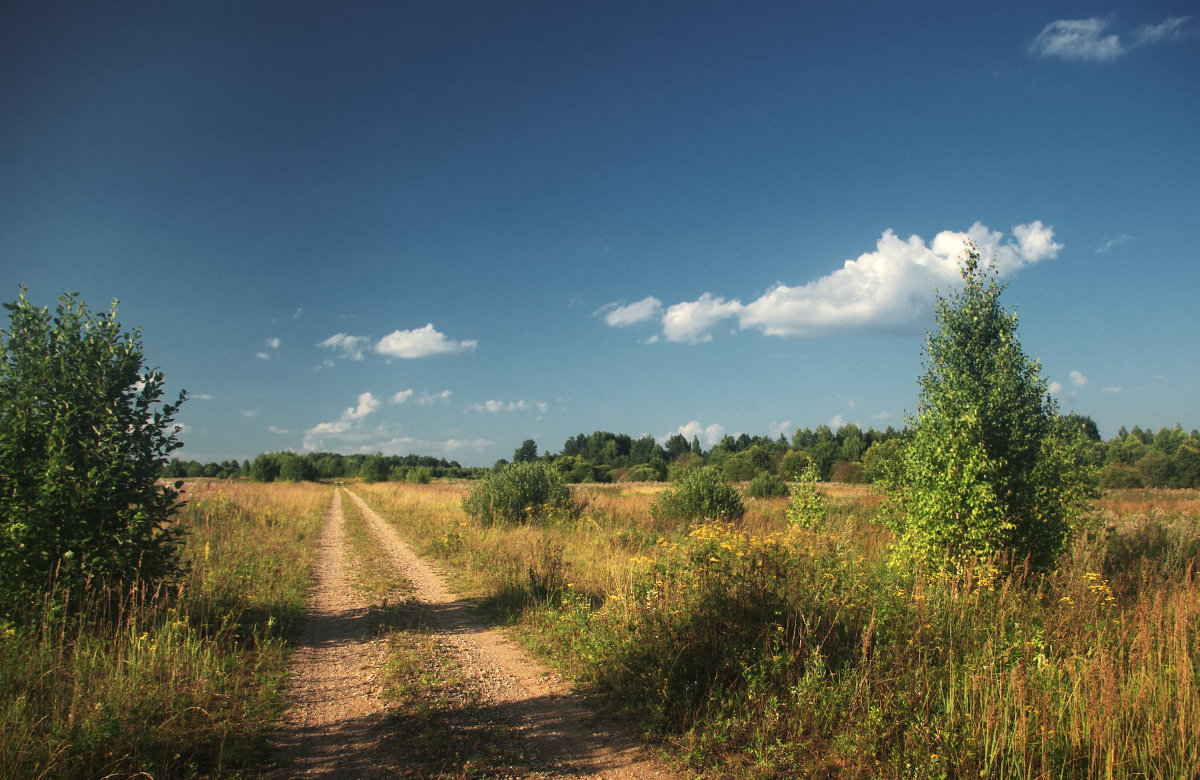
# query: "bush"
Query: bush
{"points": [[1120, 475], [519, 493], [807, 509], [83, 442], [700, 493], [766, 485], [853, 473]]}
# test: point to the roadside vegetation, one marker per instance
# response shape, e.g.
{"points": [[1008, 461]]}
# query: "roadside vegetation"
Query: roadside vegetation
{"points": [[762, 648], [176, 680]]}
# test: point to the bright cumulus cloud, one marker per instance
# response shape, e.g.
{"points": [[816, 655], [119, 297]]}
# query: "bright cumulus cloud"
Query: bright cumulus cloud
{"points": [[889, 290], [709, 434], [419, 343], [402, 396]]}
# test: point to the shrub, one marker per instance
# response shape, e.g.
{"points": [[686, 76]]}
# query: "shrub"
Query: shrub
{"points": [[518, 493], [83, 441], [844, 471], [1120, 475], [700, 493], [766, 485], [807, 509]]}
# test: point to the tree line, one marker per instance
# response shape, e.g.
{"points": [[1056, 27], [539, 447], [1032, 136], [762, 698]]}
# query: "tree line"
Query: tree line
{"points": [[1133, 458]]}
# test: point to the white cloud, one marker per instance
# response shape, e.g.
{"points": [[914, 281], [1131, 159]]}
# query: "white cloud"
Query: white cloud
{"points": [[1078, 379], [249, 413], [837, 421], [889, 290], [1077, 39], [426, 398], [349, 428], [348, 346], [262, 356], [1173, 28], [1054, 388], [492, 407], [693, 321], [1113, 390], [1088, 40], [277, 429], [402, 396], [1107, 244], [784, 428], [420, 343], [201, 397], [273, 343], [621, 316], [710, 434], [367, 403]]}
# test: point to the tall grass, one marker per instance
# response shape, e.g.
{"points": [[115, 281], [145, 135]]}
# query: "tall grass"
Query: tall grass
{"points": [[179, 681], [762, 650]]}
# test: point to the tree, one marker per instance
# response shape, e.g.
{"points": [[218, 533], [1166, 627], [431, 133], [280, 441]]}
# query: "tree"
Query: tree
{"points": [[990, 467], [83, 442], [526, 453]]}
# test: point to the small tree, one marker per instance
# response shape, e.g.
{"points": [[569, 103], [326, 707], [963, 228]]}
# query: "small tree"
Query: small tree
{"points": [[989, 468], [83, 441]]}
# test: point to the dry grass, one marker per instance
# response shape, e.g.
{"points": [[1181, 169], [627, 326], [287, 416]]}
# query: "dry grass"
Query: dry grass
{"points": [[763, 651]]}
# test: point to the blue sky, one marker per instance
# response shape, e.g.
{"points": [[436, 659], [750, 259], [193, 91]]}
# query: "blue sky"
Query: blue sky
{"points": [[444, 228]]}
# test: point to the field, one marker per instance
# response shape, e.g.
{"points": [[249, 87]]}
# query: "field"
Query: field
{"points": [[757, 651], [747, 650]]}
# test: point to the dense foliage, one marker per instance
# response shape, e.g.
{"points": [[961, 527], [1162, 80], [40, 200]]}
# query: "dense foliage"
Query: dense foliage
{"points": [[518, 493], [989, 469], [700, 493], [83, 440]]}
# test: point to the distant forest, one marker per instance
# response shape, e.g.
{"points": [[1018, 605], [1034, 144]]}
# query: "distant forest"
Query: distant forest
{"points": [[1131, 459]]}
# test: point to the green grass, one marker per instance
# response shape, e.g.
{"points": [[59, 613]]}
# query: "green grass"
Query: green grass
{"points": [[182, 681]]}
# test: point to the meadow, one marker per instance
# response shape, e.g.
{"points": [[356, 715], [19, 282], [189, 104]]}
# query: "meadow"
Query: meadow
{"points": [[746, 650], [181, 681], [757, 649]]}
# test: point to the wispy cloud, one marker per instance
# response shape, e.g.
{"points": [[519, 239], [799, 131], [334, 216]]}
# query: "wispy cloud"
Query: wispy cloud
{"points": [[431, 398], [1107, 244], [1173, 28], [249, 413], [346, 345], [273, 342], [621, 315], [1077, 39], [421, 342], [1078, 379], [402, 396], [493, 407], [1089, 40], [889, 290]]}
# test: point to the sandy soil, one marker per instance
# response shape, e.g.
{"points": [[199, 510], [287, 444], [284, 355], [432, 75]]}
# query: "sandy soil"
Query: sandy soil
{"points": [[336, 724]]}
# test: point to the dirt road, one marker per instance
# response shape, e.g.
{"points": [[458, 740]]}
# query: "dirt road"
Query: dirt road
{"points": [[336, 725]]}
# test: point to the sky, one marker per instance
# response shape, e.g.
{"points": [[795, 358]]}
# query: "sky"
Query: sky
{"points": [[445, 228]]}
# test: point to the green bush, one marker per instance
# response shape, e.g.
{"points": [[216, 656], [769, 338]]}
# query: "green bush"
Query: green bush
{"points": [[519, 493], [700, 493], [807, 509], [766, 485], [83, 441]]}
